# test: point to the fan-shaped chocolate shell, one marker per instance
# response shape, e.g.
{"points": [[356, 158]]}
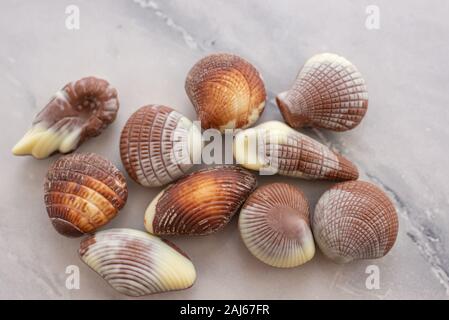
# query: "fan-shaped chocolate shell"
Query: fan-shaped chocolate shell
{"points": [[83, 191], [274, 225], [200, 203], [77, 112], [355, 220], [158, 145], [226, 91], [329, 92], [136, 263]]}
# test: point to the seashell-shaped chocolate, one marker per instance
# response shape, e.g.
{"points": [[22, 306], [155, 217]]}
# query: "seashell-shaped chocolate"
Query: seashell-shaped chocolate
{"points": [[354, 220], [273, 147], [136, 263], [77, 112], [83, 191], [200, 203], [329, 92], [226, 91], [274, 225], [158, 145]]}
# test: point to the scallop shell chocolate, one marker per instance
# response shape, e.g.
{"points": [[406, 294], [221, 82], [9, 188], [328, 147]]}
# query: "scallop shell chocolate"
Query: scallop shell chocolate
{"points": [[329, 92], [274, 225], [79, 111], [273, 147], [83, 191], [355, 220], [226, 91], [136, 263], [200, 203], [158, 145]]}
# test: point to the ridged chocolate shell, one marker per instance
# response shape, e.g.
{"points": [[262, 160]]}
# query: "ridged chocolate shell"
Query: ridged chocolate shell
{"points": [[329, 92], [136, 263], [83, 191], [274, 225], [200, 203], [158, 145], [79, 111], [355, 220], [273, 147], [226, 91]]}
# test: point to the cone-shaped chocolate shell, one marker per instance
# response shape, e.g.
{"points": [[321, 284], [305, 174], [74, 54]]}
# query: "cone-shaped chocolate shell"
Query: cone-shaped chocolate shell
{"points": [[226, 91], [273, 147], [158, 145], [83, 191], [77, 112], [329, 92], [200, 203], [355, 220], [274, 225], [136, 263]]}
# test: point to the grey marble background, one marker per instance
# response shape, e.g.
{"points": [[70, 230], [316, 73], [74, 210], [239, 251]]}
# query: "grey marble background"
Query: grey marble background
{"points": [[145, 48]]}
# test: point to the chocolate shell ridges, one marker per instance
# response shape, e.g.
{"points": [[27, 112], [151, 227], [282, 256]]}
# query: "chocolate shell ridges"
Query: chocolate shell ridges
{"points": [[355, 220], [79, 111], [274, 225], [158, 145], [275, 147], [329, 92], [226, 91], [83, 191], [200, 203], [136, 263]]}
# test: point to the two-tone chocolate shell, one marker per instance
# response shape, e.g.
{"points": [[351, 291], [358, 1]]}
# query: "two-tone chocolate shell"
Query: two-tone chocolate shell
{"points": [[77, 112], [136, 263], [83, 191], [226, 91], [158, 145], [273, 147], [329, 92], [200, 203], [274, 225], [354, 220]]}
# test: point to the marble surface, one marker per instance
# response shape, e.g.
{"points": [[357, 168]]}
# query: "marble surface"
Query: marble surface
{"points": [[145, 49]]}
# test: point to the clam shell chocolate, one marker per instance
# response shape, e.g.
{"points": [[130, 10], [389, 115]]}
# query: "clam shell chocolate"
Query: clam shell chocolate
{"points": [[226, 91], [158, 145], [355, 220], [329, 92], [136, 263], [200, 203], [273, 147], [274, 225], [79, 111], [83, 191]]}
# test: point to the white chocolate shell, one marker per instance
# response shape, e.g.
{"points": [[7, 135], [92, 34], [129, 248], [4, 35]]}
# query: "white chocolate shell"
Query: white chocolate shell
{"points": [[354, 220], [79, 111], [136, 263], [329, 92], [273, 147], [274, 225], [226, 91], [159, 145], [200, 203]]}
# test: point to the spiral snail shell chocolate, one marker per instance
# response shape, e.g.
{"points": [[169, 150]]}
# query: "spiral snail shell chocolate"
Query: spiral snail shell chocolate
{"points": [[274, 225], [355, 220], [273, 147], [200, 203], [83, 191], [136, 263], [226, 91], [329, 92], [158, 145], [77, 112]]}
